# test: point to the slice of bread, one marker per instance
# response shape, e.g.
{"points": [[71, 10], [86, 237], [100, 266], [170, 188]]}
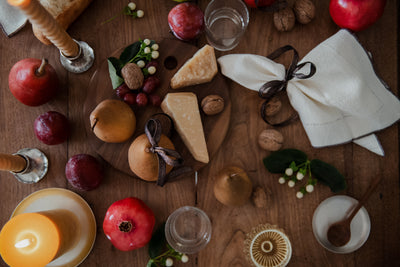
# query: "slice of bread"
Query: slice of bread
{"points": [[64, 11], [201, 68]]}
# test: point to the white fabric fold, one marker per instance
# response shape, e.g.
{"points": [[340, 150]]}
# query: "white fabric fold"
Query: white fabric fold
{"points": [[344, 100]]}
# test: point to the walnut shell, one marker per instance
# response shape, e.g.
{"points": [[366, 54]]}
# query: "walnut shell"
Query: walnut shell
{"points": [[273, 107], [304, 11], [270, 140], [284, 19], [259, 197], [212, 104], [133, 76]]}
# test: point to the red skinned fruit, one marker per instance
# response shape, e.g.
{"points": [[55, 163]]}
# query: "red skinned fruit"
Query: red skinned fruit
{"points": [[141, 99], [130, 98], [122, 90], [186, 21], [33, 81], [129, 224], [84, 172], [52, 128], [259, 3], [150, 84], [356, 15]]}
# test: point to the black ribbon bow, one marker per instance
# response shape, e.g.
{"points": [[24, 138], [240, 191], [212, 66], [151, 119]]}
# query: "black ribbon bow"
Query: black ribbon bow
{"points": [[271, 88], [165, 156]]}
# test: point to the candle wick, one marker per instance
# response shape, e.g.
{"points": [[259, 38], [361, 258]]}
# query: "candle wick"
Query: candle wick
{"points": [[23, 243]]}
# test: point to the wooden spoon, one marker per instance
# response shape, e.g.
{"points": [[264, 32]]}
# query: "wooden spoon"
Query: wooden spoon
{"points": [[339, 233]]}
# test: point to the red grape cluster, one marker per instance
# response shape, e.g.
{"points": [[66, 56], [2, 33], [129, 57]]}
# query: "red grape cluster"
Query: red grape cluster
{"points": [[144, 95]]}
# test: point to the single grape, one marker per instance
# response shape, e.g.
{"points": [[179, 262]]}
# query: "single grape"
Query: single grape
{"points": [[130, 98], [141, 99], [122, 90], [150, 84]]}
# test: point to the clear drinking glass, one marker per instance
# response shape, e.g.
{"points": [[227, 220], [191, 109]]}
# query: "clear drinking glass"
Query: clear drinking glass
{"points": [[188, 230], [225, 23]]}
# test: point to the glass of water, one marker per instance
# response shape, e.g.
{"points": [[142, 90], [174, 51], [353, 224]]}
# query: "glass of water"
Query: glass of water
{"points": [[225, 23], [188, 230]]}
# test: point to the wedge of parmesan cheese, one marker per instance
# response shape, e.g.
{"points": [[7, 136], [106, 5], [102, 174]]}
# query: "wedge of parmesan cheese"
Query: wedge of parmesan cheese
{"points": [[184, 110], [201, 68]]}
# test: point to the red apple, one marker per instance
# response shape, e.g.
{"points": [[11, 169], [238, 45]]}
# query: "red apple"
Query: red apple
{"points": [[259, 3], [84, 172], [52, 128], [356, 15], [129, 224], [186, 21], [33, 81]]}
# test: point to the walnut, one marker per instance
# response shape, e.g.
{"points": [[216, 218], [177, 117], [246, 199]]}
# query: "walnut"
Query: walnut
{"points": [[284, 19], [259, 197], [304, 11], [212, 104], [133, 76], [273, 107], [270, 140]]}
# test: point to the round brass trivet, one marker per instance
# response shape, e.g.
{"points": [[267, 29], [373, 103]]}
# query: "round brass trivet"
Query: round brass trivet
{"points": [[267, 246]]}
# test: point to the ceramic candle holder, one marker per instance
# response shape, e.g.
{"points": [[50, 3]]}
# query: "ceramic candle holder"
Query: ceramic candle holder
{"points": [[52, 227]]}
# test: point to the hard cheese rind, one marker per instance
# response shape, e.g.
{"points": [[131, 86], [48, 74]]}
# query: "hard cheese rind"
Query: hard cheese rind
{"points": [[201, 68], [184, 110]]}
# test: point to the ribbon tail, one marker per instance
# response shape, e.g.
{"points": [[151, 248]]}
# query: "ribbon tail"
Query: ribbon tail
{"points": [[371, 143], [162, 171]]}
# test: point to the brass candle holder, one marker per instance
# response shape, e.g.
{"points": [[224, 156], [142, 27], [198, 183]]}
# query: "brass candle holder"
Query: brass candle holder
{"points": [[75, 56], [28, 165]]}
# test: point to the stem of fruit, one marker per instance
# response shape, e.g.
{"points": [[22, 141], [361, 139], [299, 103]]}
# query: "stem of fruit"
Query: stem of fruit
{"points": [[94, 125], [40, 71]]}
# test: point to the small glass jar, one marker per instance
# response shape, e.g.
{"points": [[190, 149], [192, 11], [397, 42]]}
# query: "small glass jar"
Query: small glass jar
{"points": [[188, 230]]}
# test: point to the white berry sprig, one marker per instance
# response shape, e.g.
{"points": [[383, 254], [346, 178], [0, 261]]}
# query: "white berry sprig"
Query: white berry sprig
{"points": [[295, 173], [129, 10]]}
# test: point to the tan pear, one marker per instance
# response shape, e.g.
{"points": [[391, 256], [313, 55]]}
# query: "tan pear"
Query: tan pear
{"points": [[113, 121], [142, 161], [232, 186]]}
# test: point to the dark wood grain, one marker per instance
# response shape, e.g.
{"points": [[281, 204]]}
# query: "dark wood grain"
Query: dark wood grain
{"points": [[239, 147]]}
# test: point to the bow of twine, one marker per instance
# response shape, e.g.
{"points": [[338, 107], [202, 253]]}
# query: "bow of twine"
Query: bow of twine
{"points": [[165, 156], [271, 88]]}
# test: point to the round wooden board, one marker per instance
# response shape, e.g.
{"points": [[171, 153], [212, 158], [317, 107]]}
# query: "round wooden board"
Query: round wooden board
{"points": [[215, 127]]}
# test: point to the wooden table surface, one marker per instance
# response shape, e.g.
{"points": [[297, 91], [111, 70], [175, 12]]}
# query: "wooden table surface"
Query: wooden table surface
{"points": [[239, 148]]}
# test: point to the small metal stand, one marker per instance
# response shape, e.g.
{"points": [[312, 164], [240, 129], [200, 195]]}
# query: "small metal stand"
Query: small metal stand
{"points": [[80, 63], [36, 166]]}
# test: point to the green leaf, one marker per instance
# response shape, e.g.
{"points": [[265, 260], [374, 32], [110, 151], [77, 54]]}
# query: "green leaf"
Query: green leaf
{"points": [[157, 244], [293, 166], [130, 52], [328, 175], [114, 69], [151, 263], [127, 11], [278, 161]]}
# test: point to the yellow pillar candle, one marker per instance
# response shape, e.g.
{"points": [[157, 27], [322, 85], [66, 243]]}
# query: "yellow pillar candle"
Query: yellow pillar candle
{"points": [[45, 22], [36, 239], [12, 163]]}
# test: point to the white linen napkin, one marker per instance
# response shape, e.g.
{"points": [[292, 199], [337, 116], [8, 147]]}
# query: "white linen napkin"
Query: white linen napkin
{"points": [[343, 101], [11, 18]]}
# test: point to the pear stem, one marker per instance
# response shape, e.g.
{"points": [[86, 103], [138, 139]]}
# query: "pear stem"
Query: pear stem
{"points": [[94, 125], [40, 71]]}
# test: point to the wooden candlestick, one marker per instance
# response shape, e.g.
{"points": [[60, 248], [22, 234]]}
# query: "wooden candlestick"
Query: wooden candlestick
{"points": [[45, 22], [13, 163]]}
